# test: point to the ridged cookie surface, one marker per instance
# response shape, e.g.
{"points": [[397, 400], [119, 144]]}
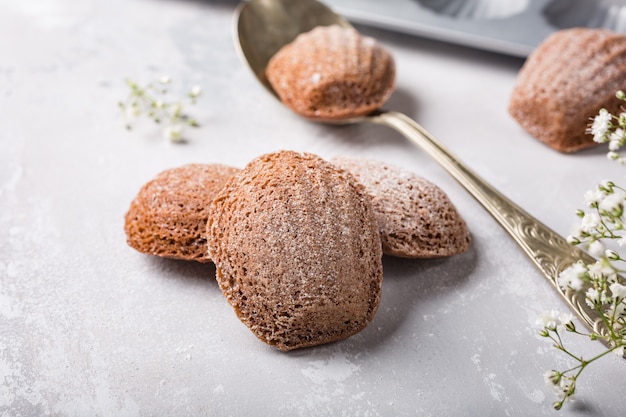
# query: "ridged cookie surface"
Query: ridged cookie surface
{"points": [[416, 219], [297, 250], [332, 73], [169, 214], [565, 82]]}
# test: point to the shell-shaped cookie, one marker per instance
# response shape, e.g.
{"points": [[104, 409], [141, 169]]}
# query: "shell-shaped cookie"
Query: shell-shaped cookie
{"points": [[332, 73], [565, 82], [169, 214], [416, 219], [296, 249]]}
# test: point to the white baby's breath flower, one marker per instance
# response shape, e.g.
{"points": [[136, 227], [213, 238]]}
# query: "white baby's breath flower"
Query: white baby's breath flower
{"points": [[601, 270], [603, 289], [174, 132], [592, 297], [618, 290], [612, 202], [611, 255], [600, 126], [571, 277], [152, 100], [133, 111], [617, 310], [593, 197], [606, 185], [550, 319], [196, 91], [552, 378], [565, 318], [595, 298], [614, 145], [596, 248], [618, 134], [589, 222], [574, 238]]}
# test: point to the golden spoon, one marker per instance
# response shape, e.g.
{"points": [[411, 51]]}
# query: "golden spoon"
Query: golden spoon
{"points": [[264, 26]]}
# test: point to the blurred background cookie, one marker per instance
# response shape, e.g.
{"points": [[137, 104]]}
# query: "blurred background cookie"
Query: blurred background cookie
{"points": [[565, 82]]}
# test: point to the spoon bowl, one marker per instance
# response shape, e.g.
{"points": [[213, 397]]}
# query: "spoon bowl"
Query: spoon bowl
{"points": [[263, 27]]}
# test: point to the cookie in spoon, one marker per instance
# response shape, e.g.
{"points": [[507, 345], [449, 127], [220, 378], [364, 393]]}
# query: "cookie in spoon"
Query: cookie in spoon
{"points": [[332, 73]]}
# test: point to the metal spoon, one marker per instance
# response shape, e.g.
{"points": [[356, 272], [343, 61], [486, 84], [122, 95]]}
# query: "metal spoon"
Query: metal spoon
{"points": [[264, 26]]}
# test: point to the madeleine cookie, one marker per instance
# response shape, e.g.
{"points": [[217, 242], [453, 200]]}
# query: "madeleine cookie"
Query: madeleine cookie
{"points": [[169, 214], [565, 82], [416, 219], [332, 73], [297, 250]]}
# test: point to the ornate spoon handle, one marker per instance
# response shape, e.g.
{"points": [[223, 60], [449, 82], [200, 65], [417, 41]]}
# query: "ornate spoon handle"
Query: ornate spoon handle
{"points": [[550, 252]]}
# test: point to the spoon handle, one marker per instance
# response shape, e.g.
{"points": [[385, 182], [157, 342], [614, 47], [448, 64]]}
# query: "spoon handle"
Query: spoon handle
{"points": [[550, 252]]}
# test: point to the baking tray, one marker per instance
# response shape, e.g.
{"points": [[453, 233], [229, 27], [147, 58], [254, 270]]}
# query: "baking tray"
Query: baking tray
{"points": [[512, 27]]}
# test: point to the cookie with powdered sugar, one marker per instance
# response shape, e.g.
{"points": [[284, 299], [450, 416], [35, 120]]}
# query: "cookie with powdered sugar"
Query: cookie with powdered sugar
{"points": [[565, 82], [297, 250], [169, 214], [416, 219], [332, 73]]}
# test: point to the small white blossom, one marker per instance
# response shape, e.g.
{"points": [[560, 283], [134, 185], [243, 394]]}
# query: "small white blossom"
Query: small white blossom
{"points": [[550, 319], [612, 202], [617, 311], [589, 222], [594, 197], [571, 277], [196, 91], [622, 241], [601, 269], [615, 139], [618, 134], [593, 297], [552, 378], [600, 126], [596, 248], [618, 290], [133, 111], [614, 145], [606, 185], [174, 132], [611, 255], [573, 239], [151, 100]]}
